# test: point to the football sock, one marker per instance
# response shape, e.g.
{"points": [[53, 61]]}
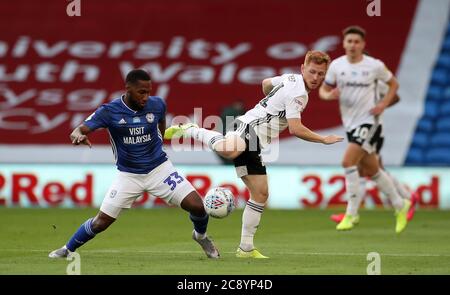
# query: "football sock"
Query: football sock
{"points": [[209, 137], [250, 221], [82, 235], [200, 225], [401, 189], [362, 189], [385, 184], [353, 190], [354, 203]]}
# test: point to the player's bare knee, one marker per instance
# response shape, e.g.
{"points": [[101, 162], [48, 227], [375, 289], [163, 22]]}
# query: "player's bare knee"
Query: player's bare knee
{"points": [[234, 144], [371, 165], [261, 196], [231, 147], [230, 155]]}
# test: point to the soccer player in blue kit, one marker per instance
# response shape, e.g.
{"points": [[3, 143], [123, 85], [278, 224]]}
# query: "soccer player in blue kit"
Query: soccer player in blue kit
{"points": [[136, 124]]}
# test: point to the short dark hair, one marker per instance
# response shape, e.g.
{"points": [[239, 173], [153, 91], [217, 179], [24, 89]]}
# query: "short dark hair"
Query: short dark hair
{"points": [[136, 75], [354, 30]]}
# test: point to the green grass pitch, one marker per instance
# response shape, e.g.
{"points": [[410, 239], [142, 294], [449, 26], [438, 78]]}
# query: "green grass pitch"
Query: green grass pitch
{"points": [[159, 242]]}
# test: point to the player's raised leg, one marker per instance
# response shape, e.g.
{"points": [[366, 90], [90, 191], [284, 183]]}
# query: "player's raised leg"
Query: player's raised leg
{"points": [[259, 192], [229, 146], [87, 231]]}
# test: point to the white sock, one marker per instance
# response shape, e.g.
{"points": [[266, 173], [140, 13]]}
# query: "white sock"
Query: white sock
{"points": [[250, 222], [362, 190], [353, 191], [401, 189], [385, 184], [199, 236], [209, 137], [354, 203]]}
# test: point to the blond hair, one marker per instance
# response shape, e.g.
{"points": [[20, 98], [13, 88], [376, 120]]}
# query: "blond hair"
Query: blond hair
{"points": [[317, 57]]}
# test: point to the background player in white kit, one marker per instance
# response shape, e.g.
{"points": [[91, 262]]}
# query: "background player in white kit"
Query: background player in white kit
{"points": [[352, 79], [135, 123], [403, 191], [286, 97]]}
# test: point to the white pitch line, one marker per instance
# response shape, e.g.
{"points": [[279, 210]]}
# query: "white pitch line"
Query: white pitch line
{"points": [[278, 253]]}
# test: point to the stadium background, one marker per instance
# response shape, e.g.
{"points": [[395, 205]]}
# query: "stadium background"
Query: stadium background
{"points": [[55, 70]]}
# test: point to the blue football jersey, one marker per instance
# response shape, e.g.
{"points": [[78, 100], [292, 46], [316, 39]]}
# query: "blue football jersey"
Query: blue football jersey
{"points": [[135, 138]]}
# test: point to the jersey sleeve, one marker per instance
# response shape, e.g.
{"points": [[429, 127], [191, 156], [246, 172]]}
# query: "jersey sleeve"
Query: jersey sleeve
{"points": [[276, 80], [98, 119], [295, 106], [382, 72], [330, 77]]}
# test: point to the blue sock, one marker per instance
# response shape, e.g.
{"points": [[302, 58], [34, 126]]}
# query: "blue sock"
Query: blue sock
{"points": [[81, 236], [200, 223]]}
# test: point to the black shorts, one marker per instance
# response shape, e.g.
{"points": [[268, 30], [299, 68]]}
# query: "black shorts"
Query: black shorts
{"points": [[249, 162], [368, 136]]}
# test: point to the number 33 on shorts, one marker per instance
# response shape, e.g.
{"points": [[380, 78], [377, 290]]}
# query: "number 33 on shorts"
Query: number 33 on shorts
{"points": [[173, 180]]}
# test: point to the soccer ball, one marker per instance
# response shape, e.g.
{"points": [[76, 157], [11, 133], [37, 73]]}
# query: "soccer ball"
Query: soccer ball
{"points": [[219, 202]]}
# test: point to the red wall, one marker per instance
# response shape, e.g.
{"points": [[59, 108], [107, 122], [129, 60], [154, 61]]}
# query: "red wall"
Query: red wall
{"points": [[50, 110]]}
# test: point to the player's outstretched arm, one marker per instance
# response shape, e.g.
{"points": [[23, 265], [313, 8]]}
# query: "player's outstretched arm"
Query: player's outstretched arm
{"points": [[301, 131], [79, 135], [326, 92]]}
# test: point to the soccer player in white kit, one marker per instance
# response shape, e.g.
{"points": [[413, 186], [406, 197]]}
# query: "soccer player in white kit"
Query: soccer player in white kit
{"points": [[286, 98], [403, 191], [352, 79]]}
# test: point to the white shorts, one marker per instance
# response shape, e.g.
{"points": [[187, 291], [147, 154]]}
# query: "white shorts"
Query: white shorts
{"points": [[162, 182]]}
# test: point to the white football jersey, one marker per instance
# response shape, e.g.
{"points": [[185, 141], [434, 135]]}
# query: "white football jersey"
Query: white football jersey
{"points": [[287, 100], [358, 87]]}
